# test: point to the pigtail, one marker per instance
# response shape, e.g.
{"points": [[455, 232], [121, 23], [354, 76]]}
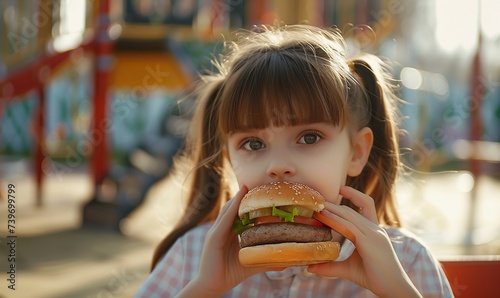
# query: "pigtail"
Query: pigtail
{"points": [[378, 177], [206, 191]]}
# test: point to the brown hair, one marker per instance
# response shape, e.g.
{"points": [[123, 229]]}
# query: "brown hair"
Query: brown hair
{"points": [[287, 76]]}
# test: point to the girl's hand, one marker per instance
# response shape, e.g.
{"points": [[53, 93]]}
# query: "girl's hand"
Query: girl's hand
{"points": [[220, 269], [374, 264]]}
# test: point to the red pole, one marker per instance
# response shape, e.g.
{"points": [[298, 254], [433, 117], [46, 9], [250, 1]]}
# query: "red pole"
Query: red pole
{"points": [[103, 60], [39, 139]]}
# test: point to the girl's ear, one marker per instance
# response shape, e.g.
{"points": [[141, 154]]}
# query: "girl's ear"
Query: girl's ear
{"points": [[362, 145]]}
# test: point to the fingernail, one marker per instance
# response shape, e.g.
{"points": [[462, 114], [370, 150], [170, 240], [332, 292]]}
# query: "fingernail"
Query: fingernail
{"points": [[311, 268]]}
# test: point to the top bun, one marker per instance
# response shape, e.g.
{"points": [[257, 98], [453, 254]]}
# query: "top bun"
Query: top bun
{"points": [[281, 194]]}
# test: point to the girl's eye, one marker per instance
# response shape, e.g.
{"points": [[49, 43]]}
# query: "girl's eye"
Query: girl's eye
{"points": [[309, 138], [252, 145]]}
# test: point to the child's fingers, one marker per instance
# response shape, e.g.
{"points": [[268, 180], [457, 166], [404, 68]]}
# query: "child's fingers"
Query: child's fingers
{"points": [[364, 202], [337, 223], [358, 224], [230, 209], [348, 222], [345, 220]]}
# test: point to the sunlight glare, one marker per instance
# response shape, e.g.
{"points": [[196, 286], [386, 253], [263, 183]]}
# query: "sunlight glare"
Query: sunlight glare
{"points": [[456, 24], [465, 182], [71, 27], [411, 78], [73, 16], [490, 26]]}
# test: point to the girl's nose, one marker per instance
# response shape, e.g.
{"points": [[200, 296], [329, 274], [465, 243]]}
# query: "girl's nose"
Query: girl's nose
{"points": [[281, 169]]}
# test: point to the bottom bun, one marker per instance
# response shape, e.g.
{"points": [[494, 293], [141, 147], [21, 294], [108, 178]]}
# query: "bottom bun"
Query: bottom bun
{"points": [[289, 254]]}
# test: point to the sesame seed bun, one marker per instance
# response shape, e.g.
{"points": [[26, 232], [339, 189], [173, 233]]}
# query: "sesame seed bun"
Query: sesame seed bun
{"points": [[281, 193]]}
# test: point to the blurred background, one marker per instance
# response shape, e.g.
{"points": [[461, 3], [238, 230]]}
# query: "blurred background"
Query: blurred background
{"points": [[90, 122]]}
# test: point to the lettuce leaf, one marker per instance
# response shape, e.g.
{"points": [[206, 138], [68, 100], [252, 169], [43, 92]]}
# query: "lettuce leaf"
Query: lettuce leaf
{"points": [[240, 225], [284, 215]]}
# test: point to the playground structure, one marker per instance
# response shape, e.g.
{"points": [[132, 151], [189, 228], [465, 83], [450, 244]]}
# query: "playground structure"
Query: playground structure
{"points": [[37, 73]]}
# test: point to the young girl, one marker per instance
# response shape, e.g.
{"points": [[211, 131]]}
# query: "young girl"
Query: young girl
{"points": [[287, 105]]}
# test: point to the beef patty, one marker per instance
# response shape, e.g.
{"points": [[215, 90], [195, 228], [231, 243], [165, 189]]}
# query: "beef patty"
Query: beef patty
{"points": [[284, 232]]}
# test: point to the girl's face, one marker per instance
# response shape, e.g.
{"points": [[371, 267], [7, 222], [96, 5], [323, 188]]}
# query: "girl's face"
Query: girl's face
{"points": [[319, 154]]}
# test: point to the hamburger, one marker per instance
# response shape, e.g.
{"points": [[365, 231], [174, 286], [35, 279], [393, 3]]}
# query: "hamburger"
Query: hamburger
{"points": [[277, 227]]}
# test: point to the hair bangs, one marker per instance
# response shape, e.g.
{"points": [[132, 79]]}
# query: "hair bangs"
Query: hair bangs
{"points": [[280, 89]]}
